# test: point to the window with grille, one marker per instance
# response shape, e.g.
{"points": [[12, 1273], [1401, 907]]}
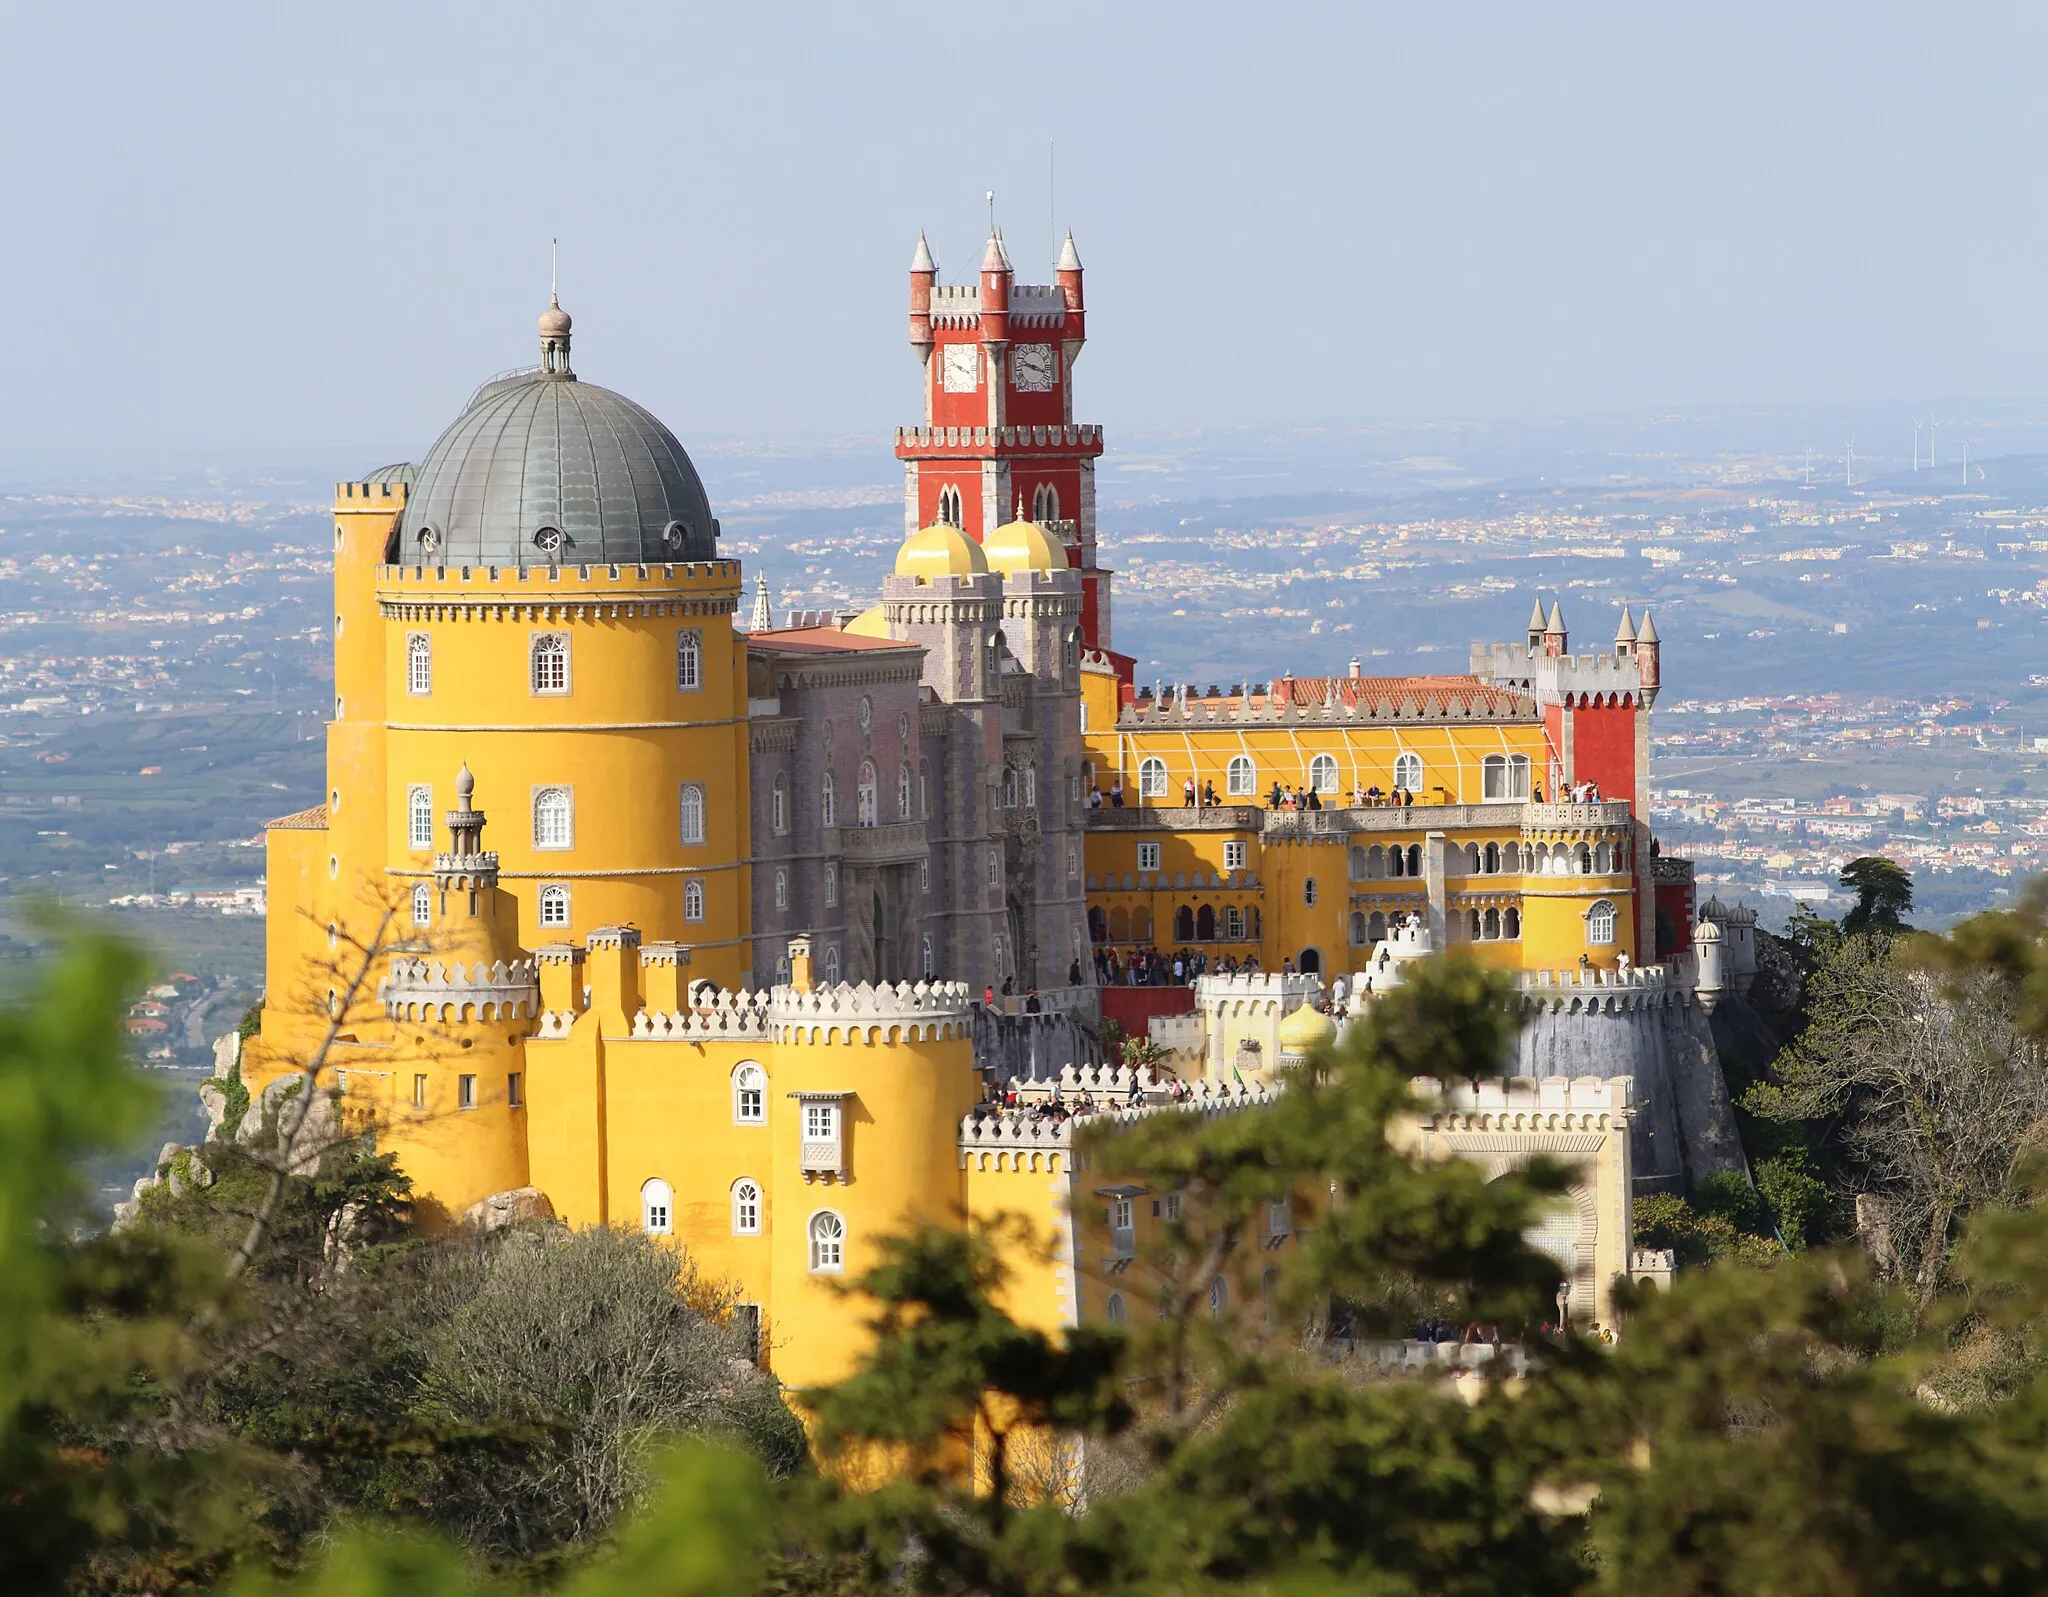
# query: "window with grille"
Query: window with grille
{"points": [[1408, 772], [693, 901], [689, 660], [422, 905], [692, 805], [828, 803], [553, 818], [778, 805], [828, 1243], [903, 792], [746, 1209], [1233, 856], [1600, 921], [419, 663], [550, 662], [781, 888], [821, 1122], [657, 1208], [419, 812], [831, 965], [554, 906], [750, 1095], [831, 884], [1148, 856]]}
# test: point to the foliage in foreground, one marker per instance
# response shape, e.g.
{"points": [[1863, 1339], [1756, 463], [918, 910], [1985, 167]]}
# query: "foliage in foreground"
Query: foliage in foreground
{"points": [[1756, 1431]]}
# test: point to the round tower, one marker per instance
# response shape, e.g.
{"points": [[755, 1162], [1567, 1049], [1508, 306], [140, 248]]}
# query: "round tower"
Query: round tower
{"points": [[1649, 659], [924, 273]]}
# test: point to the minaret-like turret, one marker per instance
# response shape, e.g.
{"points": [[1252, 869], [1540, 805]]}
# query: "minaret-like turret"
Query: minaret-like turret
{"points": [[1556, 643], [1625, 636], [1536, 625], [554, 339], [1649, 663], [763, 618], [1068, 274], [996, 277], [924, 272]]}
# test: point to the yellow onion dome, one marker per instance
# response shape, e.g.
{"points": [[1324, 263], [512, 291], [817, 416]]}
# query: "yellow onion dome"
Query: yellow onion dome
{"points": [[939, 551], [870, 623], [1306, 1030], [1023, 546]]}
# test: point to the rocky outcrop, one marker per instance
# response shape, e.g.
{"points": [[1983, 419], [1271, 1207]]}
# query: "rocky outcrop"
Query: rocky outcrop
{"points": [[519, 1206]]}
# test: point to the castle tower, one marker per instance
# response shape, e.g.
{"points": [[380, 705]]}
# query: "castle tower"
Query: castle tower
{"points": [[999, 429]]}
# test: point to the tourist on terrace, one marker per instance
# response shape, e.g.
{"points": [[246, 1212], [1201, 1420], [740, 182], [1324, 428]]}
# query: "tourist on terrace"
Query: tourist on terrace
{"points": [[1116, 795], [1209, 800], [1187, 793], [1274, 798]]}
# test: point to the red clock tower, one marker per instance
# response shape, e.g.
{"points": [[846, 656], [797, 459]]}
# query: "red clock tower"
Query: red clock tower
{"points": [[999, 440]]}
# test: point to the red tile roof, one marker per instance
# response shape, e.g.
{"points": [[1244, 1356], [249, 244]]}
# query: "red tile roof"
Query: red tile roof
{"points": [[820, 640], [313, 820], [1467, 695]]}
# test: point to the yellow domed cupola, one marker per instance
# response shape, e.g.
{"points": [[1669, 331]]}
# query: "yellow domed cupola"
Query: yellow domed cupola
{"points": [[1022, 545], [1304, 1031], [939, 551]]}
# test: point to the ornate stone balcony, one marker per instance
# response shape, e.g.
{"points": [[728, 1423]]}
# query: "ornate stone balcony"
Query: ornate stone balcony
{"points": [[898, 843]]}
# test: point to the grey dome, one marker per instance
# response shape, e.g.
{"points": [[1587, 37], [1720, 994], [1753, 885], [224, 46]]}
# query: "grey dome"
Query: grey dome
{"points": [[544, 470]]}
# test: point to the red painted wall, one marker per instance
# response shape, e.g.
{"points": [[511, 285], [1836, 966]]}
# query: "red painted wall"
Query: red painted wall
{"points": [[1132, 1007], [1604, 749]]}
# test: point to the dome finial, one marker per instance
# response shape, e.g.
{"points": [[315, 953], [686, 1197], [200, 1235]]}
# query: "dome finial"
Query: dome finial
{"points": [[554, 326]]}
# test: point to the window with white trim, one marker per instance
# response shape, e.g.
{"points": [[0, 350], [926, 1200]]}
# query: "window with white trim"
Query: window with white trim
{"points": [[1600, 923], [1073, 860], [781, 888], [831, 965], [1113, 1310], [821, 1122], [550, 662], [831, 885], [693, 901], [924, 789], [422, 905], [903, 791], [419, 816], [828, 804], [1148, 856], [657, 1208], [1233, 856], [749, 1095], [1152, 778], [554, 818], [929, 964], [690, 804], [419, 663], [689, 660], [1242, 777], [1172, 1207], [866, 802], [924, 875], [465, 1092], [778, 805], [1121, 1217], [1322, 773], [995, 868], [1408, 772], [554, 905], [746, 1208], [1219, 1296], [828, 1243], [1279, 1218]]}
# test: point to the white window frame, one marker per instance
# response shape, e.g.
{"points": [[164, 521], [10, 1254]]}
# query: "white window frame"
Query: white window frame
{"points": [[1170, 1207], [778, 805], [781, 887], [690, 807], [419, 817], [749, 1094], [693, 901], [821, 1122], [1322, 773], [1241, 777], [903, 791], [1234, 855], [1151, 777], [465, 1092], [826, 1234], [1148, 856], [831, 886], [832, 965], [1122, 1214], [657, 1207], [746, 1207], [541, 794], [419, 664], [552, 893], [689, 660], [422, 905], [1603, 924], [828, 802], [542, 680], [1408, 771]]}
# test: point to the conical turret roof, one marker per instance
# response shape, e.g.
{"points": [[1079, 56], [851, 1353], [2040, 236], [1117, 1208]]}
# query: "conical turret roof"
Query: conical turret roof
{"points": [[1070, 258], [1648, 634], [1626, 632], [1556, 623], [922, 261]]}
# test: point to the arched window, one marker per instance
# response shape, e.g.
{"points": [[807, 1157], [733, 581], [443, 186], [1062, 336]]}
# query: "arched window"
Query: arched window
{"points": [[1357, 927], [778, 805], [1113, 1309], [1511, 859], [1183, 925], [419, 663], [693, 812], [554, 906], [949, 505], [693, 901], [1219, 1296], [1152, 778], [1205, 924], [419, 816], [1492, 859], [1242, 777], [1030, 777], [1511, 923], [828, 1243], [746, 1208], [1045, 503], [865, 795], [749, 1094], [1472, 926], [831, 964], [1070, 652], [781, 887], [1375, 863], [1414, 859], [550, 662], [689, 660], [930, 965], [1408, 772], [554, 818], [924, 789], [1009, 787], [1600, 923], [831, 885], [903, 791], [1492, 923], [1322, 773], [657, 1208], [1308, 891], [1376, 927], [422, 905], [828, 804], [1583, 857], [1600, 859], [1397, 861], [995, 868]]}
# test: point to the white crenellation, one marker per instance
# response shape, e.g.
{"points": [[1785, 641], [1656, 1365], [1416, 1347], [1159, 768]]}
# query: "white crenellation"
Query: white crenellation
{"points": [[419, 989]]}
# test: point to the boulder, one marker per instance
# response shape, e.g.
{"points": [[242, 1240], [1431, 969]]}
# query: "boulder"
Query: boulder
{"points": [[519, 1206]]}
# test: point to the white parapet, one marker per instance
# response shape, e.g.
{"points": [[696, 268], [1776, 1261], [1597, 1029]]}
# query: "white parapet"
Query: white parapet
{"points": [[1589, 1101], [421, 989]]}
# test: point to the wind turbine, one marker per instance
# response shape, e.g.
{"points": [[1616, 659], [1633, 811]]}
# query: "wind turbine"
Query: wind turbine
{"points": [[1916, 443], [1932, 424], [1849, 464]]}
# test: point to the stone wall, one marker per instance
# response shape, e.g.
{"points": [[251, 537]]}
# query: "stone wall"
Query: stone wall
{"points": [[1031, 1047]]}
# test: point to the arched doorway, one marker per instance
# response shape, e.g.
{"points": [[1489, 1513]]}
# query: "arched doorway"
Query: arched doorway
{"points": [[1309, 962]]}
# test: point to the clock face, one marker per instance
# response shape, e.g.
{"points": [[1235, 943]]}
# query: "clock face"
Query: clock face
{"points": [[962, 368], [1033, 366]]}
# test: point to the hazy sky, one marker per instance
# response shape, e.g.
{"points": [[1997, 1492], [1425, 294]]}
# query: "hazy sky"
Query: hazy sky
{"points": [[244, 228]]}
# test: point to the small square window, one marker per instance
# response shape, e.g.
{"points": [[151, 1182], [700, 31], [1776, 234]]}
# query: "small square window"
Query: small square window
{"points": [[465, 1092], [419, 1092], [821, 1122], [515, 1089], [1233, 856], [1148, 856]]}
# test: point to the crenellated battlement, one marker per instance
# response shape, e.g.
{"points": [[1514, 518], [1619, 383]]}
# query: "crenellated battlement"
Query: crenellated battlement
{"points": [[972, 440], [419, 989], [1519, 1103], [369, 495], [1006, 1131], [911, 1011], [1257, 986]]}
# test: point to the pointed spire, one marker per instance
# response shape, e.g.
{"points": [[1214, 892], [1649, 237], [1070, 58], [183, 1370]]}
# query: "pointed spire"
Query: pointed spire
{"points": [[465, 786], [995, 258], [1556, 622], [1536, 614], [1626, 632], [922, 261], [1070, 258], [1648, 632], [763, 619]]}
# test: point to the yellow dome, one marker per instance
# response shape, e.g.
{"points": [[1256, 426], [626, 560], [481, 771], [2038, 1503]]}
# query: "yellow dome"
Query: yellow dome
{"points": [[869, 624], [1023, 546], [1306, 1030], [939, 551]]}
